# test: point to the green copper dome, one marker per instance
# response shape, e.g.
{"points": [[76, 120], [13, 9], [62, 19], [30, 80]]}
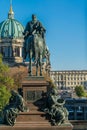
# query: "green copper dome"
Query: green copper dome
{"points": [[11, 28]]}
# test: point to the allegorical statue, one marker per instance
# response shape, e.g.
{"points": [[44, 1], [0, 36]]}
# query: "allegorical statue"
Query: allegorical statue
{"points": [[57, 112], [34, 44], [10, 112]]}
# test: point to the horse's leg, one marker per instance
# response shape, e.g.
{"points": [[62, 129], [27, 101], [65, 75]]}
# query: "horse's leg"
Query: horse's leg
{"points": [[37, 68], [36, 60], [30, 64], [40, 62]]}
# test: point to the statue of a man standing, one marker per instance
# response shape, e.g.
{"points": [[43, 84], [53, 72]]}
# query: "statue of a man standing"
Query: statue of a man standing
{"points": [[33, 27]]}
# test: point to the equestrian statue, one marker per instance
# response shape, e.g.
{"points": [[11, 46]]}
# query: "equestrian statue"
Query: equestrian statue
{"points": [[34, 45]]}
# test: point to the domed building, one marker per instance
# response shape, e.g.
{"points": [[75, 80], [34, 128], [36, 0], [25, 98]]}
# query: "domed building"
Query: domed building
{"points": [[11, 39]]}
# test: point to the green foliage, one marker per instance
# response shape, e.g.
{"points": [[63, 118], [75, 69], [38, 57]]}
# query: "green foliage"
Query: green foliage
{"points": [[5, 79], [18, 79], [80, 92], [4, 96], [6, 83]]}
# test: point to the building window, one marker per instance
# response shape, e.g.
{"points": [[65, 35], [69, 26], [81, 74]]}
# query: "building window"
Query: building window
{"points": [[78, 78], [71, 78], [71, 83], [81, 83], [6, 51], [81, 78], [17, 52], [68, 83], [74, 78], [78, 83], [61, 77], [3, 51], [74, 83]]}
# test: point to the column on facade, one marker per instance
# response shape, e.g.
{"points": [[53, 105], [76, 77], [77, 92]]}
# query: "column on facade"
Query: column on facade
{"points": [[20, 51], [13, 51]]}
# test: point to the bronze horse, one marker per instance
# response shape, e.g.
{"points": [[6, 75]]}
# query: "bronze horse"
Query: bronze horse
{"points": [[37, 52]]}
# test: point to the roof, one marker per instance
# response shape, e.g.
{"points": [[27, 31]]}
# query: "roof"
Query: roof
{"points": [[11, 28]]}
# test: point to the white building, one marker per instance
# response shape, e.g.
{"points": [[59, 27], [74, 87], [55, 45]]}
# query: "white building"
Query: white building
{"points": [[69, 78]]}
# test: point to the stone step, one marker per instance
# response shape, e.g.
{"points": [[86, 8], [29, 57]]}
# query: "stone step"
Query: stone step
{"points": [[24, 126], [33, 123], [32, 107], [31, 116], [34, 112]]}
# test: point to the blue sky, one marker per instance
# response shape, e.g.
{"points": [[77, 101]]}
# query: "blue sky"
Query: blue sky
{"points": [[66, 28]]}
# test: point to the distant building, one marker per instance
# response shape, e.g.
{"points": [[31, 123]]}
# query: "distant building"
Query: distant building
{"points": [[11, 39], [68, 79], [77, 108]]}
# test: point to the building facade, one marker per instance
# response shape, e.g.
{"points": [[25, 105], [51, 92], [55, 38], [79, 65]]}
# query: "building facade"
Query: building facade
{"points": [[69, 79], [77, 109], [11, 39]]}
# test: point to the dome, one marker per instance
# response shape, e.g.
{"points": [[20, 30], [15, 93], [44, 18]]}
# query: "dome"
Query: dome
{"points": [[11, 28]]}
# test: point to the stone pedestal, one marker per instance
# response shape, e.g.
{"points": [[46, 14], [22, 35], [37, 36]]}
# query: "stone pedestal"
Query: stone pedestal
{"points": [[43, 126], [33, 88], [34, 120], [35, 126]]}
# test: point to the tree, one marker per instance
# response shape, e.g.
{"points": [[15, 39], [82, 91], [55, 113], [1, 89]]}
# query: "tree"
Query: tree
{"points": [[80, 92], [5, 79], [18, 73], [6, 84], [4, 96]]}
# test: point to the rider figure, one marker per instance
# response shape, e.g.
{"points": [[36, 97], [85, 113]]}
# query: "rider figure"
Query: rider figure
{"points": [[31, 28]]}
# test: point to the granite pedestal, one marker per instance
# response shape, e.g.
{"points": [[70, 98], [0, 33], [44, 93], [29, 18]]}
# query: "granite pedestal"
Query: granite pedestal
{"points": [[33, 90]]}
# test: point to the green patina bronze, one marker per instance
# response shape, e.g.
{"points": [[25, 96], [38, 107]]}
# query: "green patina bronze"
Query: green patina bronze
{"points": [[35, 45], [10, 112], [11, 28], [57, 113]]}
